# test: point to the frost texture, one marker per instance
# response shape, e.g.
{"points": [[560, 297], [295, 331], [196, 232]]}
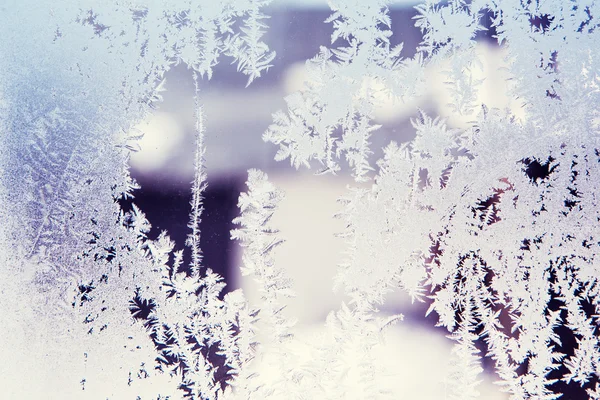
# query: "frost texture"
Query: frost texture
{"points": [[117, 311], [494, 222], [498, 219], [333, 364], [341, 91]]}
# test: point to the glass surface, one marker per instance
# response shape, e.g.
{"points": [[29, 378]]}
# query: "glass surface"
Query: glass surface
{"points": [[298, 199]]}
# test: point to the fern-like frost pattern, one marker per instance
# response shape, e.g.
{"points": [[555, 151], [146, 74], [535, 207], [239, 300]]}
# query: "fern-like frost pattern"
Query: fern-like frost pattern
{"points": [[493, 221]]}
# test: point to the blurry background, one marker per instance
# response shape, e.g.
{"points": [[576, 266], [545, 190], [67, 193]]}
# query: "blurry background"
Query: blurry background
{"points": [[235, 119]]}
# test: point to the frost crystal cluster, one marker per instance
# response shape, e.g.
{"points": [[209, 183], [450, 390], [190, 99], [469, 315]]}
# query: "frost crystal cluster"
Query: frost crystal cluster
{"points": [[493, 222]]}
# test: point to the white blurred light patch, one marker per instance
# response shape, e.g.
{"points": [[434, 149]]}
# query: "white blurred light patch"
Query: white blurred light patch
{"points": [[305, 220], [294, 77], [163, 137], [493, 92], [418, 359]]}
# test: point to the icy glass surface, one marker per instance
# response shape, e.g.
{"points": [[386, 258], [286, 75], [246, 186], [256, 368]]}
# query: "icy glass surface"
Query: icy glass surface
{"points": [[299, 199]]}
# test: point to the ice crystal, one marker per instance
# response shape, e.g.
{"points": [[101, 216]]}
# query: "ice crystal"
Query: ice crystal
{"points": [[494, 222]]}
